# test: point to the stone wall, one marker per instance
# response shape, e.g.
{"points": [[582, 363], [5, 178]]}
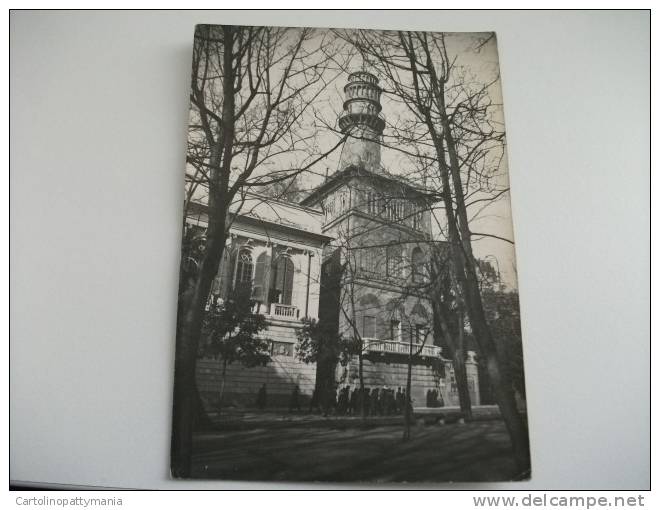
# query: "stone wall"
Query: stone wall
{"points": [[379, 371], [448, 385], [242, 384], [392, 374]]}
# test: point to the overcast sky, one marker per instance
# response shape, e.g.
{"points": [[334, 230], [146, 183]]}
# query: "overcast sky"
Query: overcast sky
{"points": [[483, 65]]}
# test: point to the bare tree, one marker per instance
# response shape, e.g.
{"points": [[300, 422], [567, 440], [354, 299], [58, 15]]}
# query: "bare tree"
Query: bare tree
{"points": [[448, 315], [451, 129], [252, 91], [370, 254]]}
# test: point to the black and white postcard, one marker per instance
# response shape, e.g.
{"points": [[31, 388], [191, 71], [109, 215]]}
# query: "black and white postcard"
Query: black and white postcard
{"points": [[348, 304]]}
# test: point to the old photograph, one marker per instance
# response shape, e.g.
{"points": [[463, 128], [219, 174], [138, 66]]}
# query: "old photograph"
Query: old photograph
{"points": [[348, 307]]}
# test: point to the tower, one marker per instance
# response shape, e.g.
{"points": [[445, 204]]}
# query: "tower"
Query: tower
{"points": [[363, 121], [373, 277]]}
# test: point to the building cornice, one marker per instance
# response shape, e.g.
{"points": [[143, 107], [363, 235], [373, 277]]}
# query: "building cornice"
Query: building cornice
{"points": [[199, 213], [354, 171]]}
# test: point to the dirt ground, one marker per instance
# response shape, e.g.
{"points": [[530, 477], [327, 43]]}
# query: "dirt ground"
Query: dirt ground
{"points": [[475, 451]]}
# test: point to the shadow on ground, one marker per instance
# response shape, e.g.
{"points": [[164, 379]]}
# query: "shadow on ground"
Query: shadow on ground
{"points": [[475, 451]]}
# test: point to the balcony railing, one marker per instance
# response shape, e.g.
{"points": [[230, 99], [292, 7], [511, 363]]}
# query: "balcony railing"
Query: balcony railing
{"points": [[283, 311], [389, 347]]}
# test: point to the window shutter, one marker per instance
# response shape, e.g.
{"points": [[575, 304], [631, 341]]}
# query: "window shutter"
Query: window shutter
{"points": [[258, 291], [231, 270], [281, 287], [216, 286], [265, 282], [287, 290]]}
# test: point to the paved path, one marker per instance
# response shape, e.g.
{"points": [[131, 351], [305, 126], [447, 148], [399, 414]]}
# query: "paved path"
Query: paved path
{"points": [[436, 453]]}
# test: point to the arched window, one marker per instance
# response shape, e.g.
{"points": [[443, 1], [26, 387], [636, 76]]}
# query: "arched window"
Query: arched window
{"points": [[419, 312], [417, 265], [260, 274], [244, 269], [281, 281]]}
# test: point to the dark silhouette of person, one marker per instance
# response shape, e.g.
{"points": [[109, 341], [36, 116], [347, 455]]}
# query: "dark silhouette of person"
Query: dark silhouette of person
{"points": [[391, 405], [342, 404], [261, 397], [399, 401], [429, 398], [375, 402], [353, 404], [294, 402], [441, 401], [366, 402]]}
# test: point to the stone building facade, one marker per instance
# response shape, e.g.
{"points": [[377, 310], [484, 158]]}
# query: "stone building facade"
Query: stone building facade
{"points": [[275, 247], [374, 282], [353, 254]]}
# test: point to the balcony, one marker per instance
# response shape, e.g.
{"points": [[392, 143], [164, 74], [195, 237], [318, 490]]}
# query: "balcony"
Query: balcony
{"points": [[375, 120], [284, 312], [388, 347]]}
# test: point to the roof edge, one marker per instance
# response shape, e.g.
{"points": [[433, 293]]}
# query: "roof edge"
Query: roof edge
{"points": [[358, 170]]}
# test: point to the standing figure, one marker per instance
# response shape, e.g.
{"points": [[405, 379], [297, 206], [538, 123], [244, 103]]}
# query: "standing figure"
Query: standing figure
{"points": [[294, 402], [366, 402], [340, 402], [391, 404], [353, 404], [344, 395], [261, 397], [441, 401], [375, 402]]}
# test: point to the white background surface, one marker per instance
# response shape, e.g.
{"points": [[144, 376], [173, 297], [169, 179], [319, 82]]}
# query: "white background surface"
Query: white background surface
{"points": [[99, 105]]}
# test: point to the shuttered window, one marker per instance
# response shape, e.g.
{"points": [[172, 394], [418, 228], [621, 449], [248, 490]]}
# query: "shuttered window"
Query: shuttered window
{"points": [[281, 286], [260, 274], [244, 269]]}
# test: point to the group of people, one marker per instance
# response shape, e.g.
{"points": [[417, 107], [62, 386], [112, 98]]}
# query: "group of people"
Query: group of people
{"points": [[434, 399], [348, 402]]}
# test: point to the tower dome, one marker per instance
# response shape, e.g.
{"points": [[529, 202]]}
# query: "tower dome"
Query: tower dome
{"points": [[362, 120]]}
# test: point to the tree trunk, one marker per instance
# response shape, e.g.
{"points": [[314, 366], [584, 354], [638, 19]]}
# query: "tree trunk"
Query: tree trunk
{"points": [[193, 301], [460, 373], [503, 392], [363, 408], [488, 348], [456, 353], [466, 276], [222, 386], [469, 284], [408, 411], [190, 326]]}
